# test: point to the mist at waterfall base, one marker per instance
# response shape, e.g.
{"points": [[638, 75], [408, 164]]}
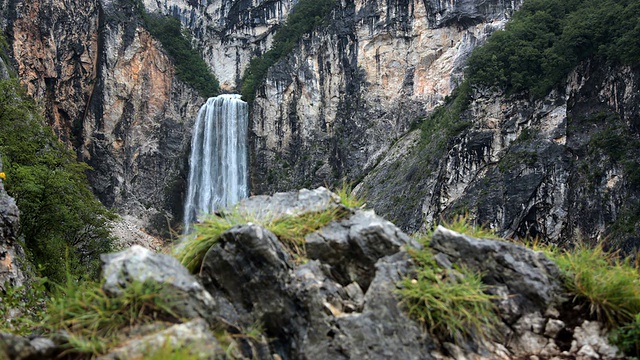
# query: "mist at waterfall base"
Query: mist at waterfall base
{"points": [[218, 168]]}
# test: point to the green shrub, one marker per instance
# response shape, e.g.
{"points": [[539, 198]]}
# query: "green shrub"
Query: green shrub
{"points": [[64, 227], [608, 285], [627, 338], [22, 308], [446, 121], [96, 321], [291, 230], [545, 39], [304, 17], [451, 303], [190, 67]]}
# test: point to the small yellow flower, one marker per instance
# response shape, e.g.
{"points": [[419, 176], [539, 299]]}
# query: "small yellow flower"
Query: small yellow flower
{"points": [[3, 176]]}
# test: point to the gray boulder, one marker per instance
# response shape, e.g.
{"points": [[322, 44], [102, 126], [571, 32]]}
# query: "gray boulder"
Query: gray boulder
{"points": [[138, 264], [292, 203], [532, 281], [13, 347], [338, 304]]}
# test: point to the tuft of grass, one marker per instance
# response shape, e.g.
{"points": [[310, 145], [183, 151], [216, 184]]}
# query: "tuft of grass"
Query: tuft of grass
{"points": [[291, 230], [463, 225], [22, 308], [348, 198], [94, 321], [610, 286], [191, 251], [452, 303]]}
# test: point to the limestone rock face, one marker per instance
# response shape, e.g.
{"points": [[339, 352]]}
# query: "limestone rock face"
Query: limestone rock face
{"points": [[137, 135], [110, 91], [55, 46], [228, 32], [334, 106], [546, 168]]}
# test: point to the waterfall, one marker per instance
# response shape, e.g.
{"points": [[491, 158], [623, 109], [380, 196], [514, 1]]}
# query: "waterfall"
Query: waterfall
{"points": [[218, 162]]}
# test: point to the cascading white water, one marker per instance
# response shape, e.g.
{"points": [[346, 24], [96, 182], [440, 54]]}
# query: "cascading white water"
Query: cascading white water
{"points": [[218, 163]]}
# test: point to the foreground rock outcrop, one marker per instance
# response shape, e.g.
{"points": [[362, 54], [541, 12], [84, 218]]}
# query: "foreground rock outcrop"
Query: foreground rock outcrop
{"points": [[342, 301]]}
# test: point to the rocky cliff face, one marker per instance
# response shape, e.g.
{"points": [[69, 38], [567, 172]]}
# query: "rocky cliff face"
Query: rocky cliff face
{"points": [[349, 90], [228, 32], [109, 90], [557, 168]]}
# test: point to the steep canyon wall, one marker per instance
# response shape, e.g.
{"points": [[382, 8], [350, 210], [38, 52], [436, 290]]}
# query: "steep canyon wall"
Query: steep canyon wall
{"points": [[349, 90], [345, 104], [563, 168], [108, 90]]}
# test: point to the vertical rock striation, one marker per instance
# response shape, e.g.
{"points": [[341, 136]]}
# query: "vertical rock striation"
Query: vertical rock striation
{"points": [[349, 90], [110, 91], [228, 32], [559, 168]]}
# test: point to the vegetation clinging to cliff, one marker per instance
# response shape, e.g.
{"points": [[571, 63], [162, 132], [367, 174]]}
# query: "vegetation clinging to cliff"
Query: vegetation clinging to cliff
{"points": [[305, 16], [64, 227], [190, 67], [547, 38]]}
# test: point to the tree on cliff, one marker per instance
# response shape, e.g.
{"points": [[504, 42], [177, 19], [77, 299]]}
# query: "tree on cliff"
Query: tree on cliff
{"points": [[63, 226]]}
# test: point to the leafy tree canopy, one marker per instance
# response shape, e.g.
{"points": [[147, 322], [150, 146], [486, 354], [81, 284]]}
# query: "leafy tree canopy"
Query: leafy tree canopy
{"points": [[547, 38], [190, 67], [64, 227]]}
